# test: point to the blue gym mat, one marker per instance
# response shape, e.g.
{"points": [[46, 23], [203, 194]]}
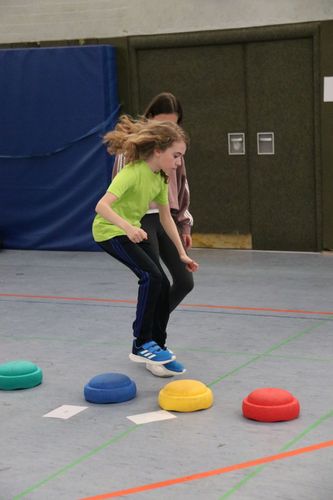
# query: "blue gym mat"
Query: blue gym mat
{"points": [[56, 104]]}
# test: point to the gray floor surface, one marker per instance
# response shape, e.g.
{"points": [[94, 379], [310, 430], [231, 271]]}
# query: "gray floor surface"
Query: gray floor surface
{"points": [[272, 327]]}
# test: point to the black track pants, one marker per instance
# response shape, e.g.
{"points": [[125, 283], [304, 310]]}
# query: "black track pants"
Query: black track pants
{"points": [[162, 246], [152, 313]]}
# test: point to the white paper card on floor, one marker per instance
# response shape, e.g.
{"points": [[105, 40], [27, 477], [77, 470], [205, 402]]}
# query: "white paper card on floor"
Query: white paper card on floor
{"points": [[65, 411], [153, 416]]}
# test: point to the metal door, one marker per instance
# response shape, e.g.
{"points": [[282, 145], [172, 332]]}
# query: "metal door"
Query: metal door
{"points": [[280, 99], [209, 81]]}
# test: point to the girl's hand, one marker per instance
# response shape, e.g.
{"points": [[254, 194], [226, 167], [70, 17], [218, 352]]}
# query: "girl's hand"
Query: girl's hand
{"points": [[187, 241], [191, 265], [136, 234]]}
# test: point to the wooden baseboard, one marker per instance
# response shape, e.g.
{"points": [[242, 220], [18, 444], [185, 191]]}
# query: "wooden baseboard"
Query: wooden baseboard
{"points": [[212, 240]]}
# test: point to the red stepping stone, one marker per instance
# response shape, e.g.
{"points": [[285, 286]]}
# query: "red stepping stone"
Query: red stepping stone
{"points": [[270, 404]]}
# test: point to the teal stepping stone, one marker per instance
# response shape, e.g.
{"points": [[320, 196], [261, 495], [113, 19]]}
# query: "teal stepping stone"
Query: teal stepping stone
{"points": [[19, 374]]}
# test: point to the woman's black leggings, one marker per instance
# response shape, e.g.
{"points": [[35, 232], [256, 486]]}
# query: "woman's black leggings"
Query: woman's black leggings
{"points": [[152, 312], [162, 246]]}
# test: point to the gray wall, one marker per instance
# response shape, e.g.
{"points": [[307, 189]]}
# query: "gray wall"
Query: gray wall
{"points": [[38, 20]]}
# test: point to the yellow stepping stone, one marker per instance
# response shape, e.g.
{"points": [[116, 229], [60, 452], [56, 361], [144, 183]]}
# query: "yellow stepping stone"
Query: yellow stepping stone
{"points": [[185, 396]]}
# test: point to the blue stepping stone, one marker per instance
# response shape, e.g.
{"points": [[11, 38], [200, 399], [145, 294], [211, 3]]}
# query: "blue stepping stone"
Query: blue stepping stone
{"points": [[110, 388], [19, 374]]}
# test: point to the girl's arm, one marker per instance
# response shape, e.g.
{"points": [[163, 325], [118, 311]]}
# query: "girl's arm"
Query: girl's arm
{"points": [[171, 229], [183, 218], [104, 208]]}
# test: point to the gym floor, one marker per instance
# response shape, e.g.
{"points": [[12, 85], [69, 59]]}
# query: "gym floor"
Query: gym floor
{"points": [[254, 319]]}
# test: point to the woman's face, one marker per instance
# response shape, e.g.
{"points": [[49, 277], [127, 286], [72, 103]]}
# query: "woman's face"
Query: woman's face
{"points": [[166, 117]]}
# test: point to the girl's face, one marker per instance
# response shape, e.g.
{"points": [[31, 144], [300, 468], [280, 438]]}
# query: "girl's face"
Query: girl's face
{"points": [[166, 117], [170, 159]]}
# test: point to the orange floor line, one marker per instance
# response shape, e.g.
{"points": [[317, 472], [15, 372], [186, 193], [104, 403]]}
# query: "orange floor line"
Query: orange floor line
{"points": [[215, 472], [266, 309], [60, 297], [207, 306]]}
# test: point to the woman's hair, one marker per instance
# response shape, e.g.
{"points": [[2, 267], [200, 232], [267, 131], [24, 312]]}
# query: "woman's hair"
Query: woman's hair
{"points": [[138, 139], [164, 103]]}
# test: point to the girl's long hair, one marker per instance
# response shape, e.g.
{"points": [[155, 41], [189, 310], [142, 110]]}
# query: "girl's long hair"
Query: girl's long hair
{"points": [[138, 139]]}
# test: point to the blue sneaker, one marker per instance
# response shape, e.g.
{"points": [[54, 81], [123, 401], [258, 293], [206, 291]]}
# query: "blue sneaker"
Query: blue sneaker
{"points": [[150, 353], [165, 348], [168, 370]]}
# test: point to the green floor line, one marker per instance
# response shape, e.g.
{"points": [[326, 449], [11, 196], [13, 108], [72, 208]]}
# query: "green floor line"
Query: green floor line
{"points": [[288, 445], [67, 467], [64, 340], [267, 352], [178, 349]]}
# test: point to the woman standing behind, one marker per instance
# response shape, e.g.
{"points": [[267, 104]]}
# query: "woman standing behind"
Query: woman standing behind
{"points": [[166, 107]]}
